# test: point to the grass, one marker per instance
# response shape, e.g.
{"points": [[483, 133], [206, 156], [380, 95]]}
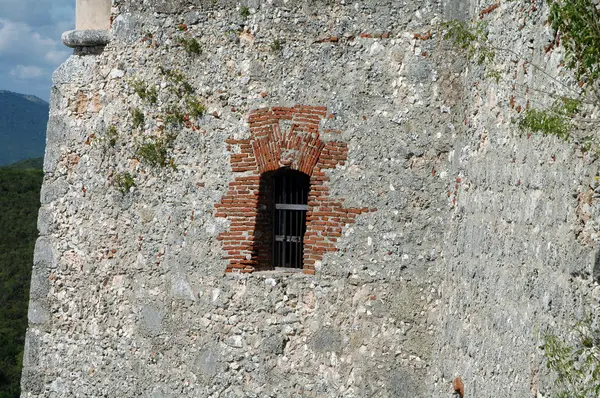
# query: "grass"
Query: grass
{"points": [[146, 93], [574, 359], [195, 108], [124, 182], [111, 135], [155, 152], [178, 79], [191, 45], [174, 117], [138, 117], [276, 45]]}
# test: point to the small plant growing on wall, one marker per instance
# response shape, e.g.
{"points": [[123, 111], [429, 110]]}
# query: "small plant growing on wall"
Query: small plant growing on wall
{"points": [[245, 12], [111, 135], [553, 121], [146, 93], [276, 45], [190, 45], [184, 105], [154, 151], [138, 117], [195, 107], [124, 182], [181, 85], [190, 106], [577, 24], [174, 117], [107, 139], [575, 360]]}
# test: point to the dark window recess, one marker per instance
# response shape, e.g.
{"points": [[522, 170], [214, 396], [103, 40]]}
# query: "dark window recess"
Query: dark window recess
{"points": [[290, 203]]}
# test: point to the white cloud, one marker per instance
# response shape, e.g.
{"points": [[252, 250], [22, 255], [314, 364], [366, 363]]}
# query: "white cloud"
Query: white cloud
{"points": [[30, 46], [17, 38], [23, 72], [56, 57], [38, 13]]}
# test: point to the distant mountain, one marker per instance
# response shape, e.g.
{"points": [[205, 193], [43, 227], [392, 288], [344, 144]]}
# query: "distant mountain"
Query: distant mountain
{"points": [[23, 120], [27, 164]]}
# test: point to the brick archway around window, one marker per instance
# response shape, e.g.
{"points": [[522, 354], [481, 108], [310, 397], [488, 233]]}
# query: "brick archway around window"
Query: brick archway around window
{"points": [[281, 137]]}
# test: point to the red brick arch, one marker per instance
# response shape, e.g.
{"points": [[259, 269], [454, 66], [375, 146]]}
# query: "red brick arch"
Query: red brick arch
{"points": [[281, 137]]}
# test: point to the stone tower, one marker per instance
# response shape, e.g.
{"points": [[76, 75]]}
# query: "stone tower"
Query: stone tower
{"points": [[301, 199]]}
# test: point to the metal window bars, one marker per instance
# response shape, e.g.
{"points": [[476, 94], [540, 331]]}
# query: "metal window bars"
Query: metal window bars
{"points": [[290, 198]]}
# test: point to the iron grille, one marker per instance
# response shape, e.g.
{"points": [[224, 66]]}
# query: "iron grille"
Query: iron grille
{"points": [[289, 217]]}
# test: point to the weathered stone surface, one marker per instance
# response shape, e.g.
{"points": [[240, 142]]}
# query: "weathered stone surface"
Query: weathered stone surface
{"points": [[44, 255], [40, 286], [208, 363], [126, 28], [31, 354], [38, 312], [151, 322], [85, 38], [32, 381], [482, 239]]}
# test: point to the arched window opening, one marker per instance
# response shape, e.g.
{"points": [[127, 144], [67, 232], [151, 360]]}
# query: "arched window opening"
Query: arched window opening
{"points": [[281, 219], [290, 189]]}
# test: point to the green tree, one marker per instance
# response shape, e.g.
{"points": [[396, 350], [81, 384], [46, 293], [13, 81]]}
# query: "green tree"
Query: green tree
{"points": [[19, 204]]}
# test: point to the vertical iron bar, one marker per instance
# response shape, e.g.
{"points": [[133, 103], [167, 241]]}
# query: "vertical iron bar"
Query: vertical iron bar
{"points": [[277, 221], [272, 211], [298, 227], [291, 217], [283, 243], [290, 230], [284, 226], [299, 249], [294, 260], [303, 221]]}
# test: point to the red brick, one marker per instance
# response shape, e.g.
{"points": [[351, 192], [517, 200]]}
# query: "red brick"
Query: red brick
{"points": [[261, 153]]}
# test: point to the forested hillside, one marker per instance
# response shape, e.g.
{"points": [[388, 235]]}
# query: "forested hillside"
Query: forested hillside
{"points": [[23, 120], [19, 204], [35, 163]]}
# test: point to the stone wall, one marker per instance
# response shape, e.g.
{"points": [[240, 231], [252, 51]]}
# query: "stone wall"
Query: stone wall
{"points": [[467, 240], [289, 138], [520, 247]]}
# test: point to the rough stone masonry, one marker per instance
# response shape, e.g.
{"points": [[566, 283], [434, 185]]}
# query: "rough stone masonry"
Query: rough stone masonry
{"points": [[441, 241]]}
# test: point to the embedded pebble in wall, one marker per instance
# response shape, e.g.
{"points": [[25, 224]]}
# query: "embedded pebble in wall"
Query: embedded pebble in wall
{"points": [[116, 74]]}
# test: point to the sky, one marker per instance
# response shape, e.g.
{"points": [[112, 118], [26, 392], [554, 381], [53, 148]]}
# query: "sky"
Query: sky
{"points": [[30, 46]]}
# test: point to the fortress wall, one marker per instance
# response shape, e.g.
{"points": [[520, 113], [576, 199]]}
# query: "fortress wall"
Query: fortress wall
{"points": [[523, 237], [129, 294], [483, 237]]}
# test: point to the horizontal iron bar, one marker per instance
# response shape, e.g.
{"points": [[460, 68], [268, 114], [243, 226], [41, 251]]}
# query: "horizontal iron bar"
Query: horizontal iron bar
{"points": [[284, 206], [285, 238]]}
